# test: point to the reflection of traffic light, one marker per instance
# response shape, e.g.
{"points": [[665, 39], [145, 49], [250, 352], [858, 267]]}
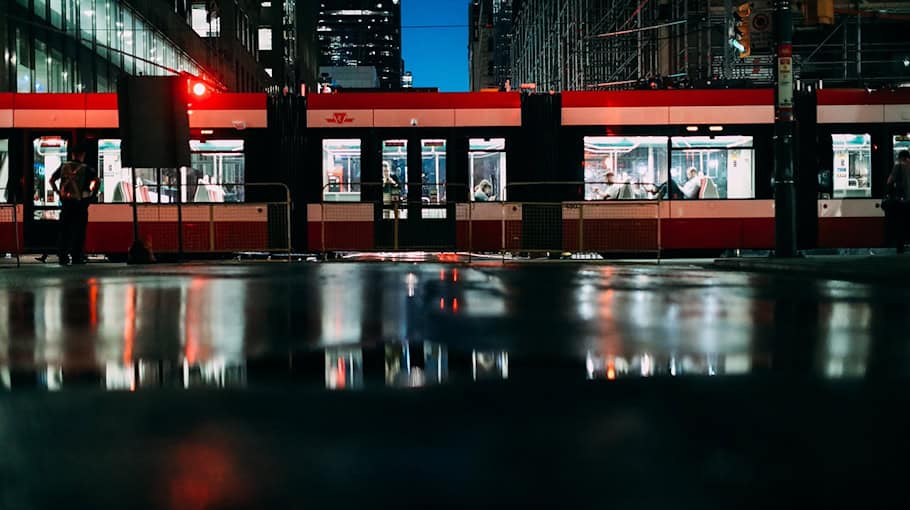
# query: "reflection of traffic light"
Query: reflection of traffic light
{"points": [[742, 18]]}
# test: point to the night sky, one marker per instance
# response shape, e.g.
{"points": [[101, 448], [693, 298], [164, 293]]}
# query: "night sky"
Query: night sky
{"points": [[437, 56]]}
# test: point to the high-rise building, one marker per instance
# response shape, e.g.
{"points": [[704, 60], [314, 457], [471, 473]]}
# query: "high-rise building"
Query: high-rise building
{"points": [[84, 45], [362, 33], [287, 43], [489, 43]]}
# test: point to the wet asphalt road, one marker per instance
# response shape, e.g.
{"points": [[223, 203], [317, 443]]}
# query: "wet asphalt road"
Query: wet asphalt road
{"points": [[563, 383]]}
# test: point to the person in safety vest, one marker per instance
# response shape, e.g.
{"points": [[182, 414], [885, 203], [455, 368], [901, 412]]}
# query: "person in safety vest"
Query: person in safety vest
{"points": [[78, 187]]}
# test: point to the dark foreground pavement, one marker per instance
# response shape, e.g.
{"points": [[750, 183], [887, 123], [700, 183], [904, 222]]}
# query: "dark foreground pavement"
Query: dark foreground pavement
{"points": [[881, 269], [199, 386]]}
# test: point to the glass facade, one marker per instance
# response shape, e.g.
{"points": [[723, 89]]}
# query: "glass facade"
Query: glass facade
{"points": [[82, 46]]}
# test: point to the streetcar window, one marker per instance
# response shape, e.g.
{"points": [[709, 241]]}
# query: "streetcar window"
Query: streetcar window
{"points": [[341, 170], [852, 165], [394, 175], [4, 169], [116, 180], [901, 143], [433, 171], [50, 153], [216, 173], [713, 166], [624, 167], [487, 165]]}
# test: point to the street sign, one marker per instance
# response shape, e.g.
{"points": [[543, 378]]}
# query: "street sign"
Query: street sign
{"points": [[785, 77]]}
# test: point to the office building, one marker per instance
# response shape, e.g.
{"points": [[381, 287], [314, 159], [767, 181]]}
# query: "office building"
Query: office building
{"points": [[84, 45], [287, 46], [362, 33], [348, 77], [489, 43]]}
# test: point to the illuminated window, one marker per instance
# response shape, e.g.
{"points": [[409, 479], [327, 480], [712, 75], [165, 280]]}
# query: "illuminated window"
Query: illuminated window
{"points": [[341, 170], [705, 167], [203, 23], [394, 176], [265, 39], [4, 169], [852, 165], [487, 169], [216, 175], [433, 157], [217, 172], [50, 153], [624, 167]]}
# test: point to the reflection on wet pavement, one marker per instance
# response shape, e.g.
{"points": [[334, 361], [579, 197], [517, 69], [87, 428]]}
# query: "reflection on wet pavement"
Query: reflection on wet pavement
{"points": [[351, 326]]}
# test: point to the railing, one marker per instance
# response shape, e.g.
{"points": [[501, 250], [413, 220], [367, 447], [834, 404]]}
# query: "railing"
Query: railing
{"points": [[512, 226], [260, 224]]}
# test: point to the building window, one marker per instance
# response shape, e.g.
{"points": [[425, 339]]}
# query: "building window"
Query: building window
{"points": [[341, 170], [852, 164], [624, 167], [713, 167], [203, 22], [487, 169], [265, 39]]}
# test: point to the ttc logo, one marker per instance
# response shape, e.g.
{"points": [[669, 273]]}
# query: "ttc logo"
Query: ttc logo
{"points": [[339, 118]]}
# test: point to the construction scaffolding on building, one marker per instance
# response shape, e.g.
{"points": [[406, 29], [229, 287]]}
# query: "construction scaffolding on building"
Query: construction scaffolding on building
{"points": [[608, 44]]}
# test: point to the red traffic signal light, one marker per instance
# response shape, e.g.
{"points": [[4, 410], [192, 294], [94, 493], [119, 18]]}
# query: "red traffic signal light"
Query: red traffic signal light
{"points": [[199, 89]]}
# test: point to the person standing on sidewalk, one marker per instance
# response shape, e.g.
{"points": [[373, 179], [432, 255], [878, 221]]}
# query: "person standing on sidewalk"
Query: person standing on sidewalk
{"points": [[897, 211], [78, 187]]}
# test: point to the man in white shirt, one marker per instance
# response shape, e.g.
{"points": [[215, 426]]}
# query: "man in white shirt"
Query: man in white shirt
{"points": [[691, 188]]}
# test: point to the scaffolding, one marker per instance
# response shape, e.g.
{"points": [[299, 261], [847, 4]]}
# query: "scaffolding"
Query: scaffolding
{"points": [[598, 44], [608, 44]]}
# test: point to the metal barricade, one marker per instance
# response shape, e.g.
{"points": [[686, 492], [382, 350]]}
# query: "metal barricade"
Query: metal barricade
{"points": [[374, 217], [377, 216], [201, 218], [614, 218], [10, 228]]}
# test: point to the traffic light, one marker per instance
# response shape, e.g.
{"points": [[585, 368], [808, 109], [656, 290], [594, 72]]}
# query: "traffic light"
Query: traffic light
{"points": [[740, 39], [197, 89]]}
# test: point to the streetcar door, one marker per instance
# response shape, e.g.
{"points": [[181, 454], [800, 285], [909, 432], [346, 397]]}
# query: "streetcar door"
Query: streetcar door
{"points": [[42, 206], [414, 212]]}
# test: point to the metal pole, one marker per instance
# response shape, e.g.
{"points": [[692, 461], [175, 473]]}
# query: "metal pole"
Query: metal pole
{"points": [[178, 193], [784, 185], [16, 232], [135, 210]]}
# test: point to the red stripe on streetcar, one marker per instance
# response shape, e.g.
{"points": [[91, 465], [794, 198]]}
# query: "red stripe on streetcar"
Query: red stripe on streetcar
{"points": [[415, 100]]}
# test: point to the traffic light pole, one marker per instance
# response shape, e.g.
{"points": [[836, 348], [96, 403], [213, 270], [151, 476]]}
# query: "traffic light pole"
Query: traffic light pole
{"points": [[784, 183]]}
